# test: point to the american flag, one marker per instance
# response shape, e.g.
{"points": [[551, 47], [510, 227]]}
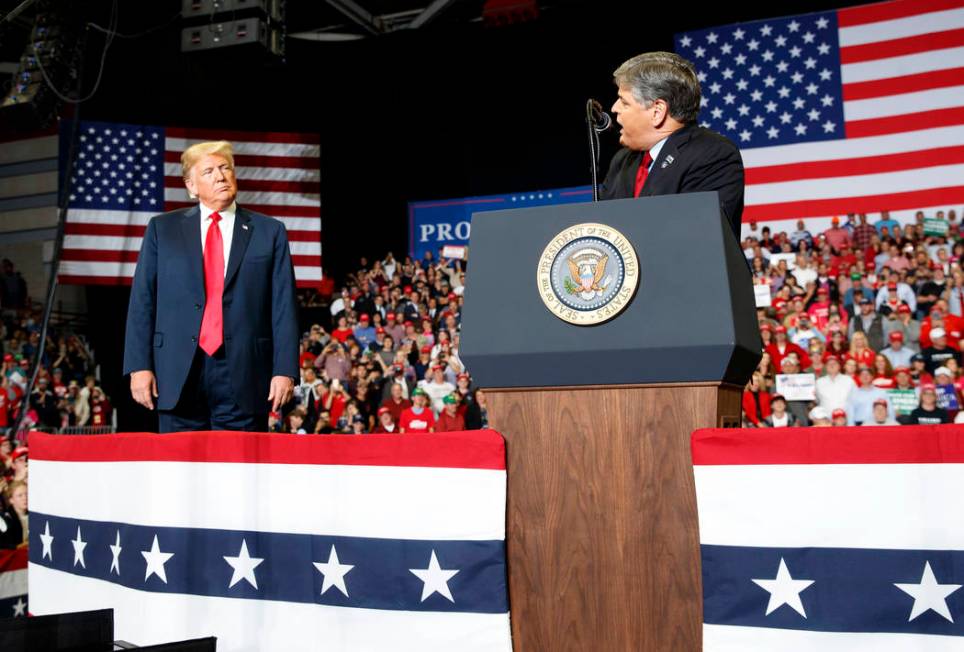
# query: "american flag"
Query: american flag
{"points": [[125, 174], [847, 111], [831, 538], [374, 542]]}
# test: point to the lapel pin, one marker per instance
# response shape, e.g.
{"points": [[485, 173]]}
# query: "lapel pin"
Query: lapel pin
{"points": [[244, 226], [668, 161]]}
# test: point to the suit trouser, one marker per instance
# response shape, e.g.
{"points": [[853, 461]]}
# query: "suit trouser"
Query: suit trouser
{"points": [[207, 400]]}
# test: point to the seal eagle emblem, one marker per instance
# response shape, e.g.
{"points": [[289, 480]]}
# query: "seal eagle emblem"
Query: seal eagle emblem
{"points": [[588, 274]]}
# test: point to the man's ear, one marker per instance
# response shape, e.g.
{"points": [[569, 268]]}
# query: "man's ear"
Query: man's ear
{"points": [[189, 184], [660, 113]]}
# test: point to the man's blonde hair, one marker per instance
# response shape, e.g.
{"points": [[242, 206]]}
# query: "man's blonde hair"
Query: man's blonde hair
{"points": [[194, 153]]}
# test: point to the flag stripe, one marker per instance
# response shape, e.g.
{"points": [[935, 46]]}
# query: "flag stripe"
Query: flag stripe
{"points": [[875, 506], [873, 51], [379, 580], [247, 148], [29, 149], [883, 445], [887, 12], [854, 204], [241, 136], [868, 184], [844, 149], [311, 277], [102, 268], [907, 122], [474, 450], [267, 185], [909, 64], [905, 84], [735, 638], [28, 167], [855, 166], [278, 200], [924, 103], [149, 618]]}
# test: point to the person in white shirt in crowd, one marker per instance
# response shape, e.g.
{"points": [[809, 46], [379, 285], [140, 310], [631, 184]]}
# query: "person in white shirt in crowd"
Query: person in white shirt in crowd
{"points": [[437, 388], [779, 417], [833, 389], [905, 294], [804, 271], [898, 354]]}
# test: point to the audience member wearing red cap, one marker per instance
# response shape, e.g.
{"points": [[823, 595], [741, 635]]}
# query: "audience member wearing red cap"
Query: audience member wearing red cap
{"points": [[782, 347], [386, 422]]}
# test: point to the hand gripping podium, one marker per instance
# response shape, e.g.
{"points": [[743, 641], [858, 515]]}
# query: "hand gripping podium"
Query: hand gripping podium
{"points": [[602, 539]]}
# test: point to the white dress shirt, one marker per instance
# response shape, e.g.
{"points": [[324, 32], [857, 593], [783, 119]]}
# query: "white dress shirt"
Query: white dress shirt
{"points": [[226, 225], [654, 152]]}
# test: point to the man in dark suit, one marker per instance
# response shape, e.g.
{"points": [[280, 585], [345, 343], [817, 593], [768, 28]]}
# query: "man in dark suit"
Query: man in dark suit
{"points": [[664, 151], [212, 328]]}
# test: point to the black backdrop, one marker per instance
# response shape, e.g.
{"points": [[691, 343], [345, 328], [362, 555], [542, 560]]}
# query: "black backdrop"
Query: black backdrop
{"points": [[446, 111]]}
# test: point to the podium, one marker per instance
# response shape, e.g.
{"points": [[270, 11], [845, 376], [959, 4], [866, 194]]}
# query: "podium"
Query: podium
{"points": [[602, 532]]}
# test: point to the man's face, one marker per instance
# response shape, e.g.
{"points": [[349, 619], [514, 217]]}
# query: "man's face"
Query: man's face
{"points": [[638, 122], [386, 419], [212, 181], [396, 392]]}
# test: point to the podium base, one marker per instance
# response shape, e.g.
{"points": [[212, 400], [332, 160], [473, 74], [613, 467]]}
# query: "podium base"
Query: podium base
{"points": [[602, 538]]}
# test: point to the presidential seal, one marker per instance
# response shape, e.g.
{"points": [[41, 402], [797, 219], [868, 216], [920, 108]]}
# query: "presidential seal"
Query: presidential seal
{"points": [[588, 274]]}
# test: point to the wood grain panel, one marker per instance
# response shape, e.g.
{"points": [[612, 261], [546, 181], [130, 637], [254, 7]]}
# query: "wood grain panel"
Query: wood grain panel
{"points": [[602, 539]]}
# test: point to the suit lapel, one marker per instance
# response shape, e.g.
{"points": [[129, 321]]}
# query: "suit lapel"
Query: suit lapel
{"points": [[239, 243], [668, 155], [191, 235]]}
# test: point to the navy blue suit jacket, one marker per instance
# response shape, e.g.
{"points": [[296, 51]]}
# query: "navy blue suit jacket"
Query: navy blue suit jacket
{"points": [[260, 310], [692, 159]]}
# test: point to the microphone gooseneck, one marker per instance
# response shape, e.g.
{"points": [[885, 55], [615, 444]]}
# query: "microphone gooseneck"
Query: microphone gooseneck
{"points": [[597, 121]]}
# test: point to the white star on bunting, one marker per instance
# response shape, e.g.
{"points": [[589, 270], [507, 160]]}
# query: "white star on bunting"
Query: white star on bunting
{"points": [[929, 595], [243, 566], [46, 540], [115, 551], [334, 572], [435, 579], [79, 545], [155, 561], [784, 590]]}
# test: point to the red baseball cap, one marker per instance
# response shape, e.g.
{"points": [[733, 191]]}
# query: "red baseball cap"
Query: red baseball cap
{"points": [[822, 291], [839, 412], [901, 370], [426, 349], [897, 336], [928, 387], [408, 323], [881, 401], [379, 331], [19, 451], [765, 327], [452, 296], [383, 410], [463, 375], [903, 309], [8, 357], [407, 289], [780, 329], [891, 285], [364, 317], [391, 316]]}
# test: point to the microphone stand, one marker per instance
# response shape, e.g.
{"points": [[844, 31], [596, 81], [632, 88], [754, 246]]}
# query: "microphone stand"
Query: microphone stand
{"points": [[594, 129]]}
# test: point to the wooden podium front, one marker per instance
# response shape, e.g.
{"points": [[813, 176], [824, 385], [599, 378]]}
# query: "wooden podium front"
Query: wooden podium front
{"points": [[602, 532], [602, 536]]}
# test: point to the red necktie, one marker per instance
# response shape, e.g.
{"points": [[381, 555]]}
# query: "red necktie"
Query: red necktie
{"points": [[212, 324], [642, 173]]}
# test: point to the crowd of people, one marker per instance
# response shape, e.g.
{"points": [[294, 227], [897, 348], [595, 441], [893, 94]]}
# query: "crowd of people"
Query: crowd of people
{"points": [[64, 395], [390, 362], [861, 324]]}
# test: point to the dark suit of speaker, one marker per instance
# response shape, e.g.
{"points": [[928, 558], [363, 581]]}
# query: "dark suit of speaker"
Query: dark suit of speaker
{"points": [[693, 159], [259, 308]]}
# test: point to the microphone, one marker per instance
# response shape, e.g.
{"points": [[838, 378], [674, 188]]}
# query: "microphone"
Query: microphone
{"points": [[598, 118]]}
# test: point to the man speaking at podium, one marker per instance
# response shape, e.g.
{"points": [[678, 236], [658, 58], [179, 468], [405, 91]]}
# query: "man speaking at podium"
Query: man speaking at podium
{"points": [[212, 329], [664, 151]]}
